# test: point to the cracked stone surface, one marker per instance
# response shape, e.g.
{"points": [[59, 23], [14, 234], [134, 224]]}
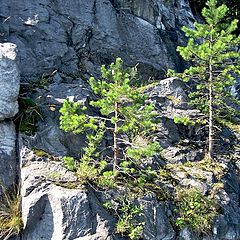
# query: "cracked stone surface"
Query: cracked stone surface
{"points": [[71, 36], [51, 209], [61, 43], [9, 81]]}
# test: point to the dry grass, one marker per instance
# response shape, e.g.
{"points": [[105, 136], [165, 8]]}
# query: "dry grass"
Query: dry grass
{"points": [[10, 214]]}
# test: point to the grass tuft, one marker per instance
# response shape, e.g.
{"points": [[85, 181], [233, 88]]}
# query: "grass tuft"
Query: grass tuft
{"points": [[10, 214]]}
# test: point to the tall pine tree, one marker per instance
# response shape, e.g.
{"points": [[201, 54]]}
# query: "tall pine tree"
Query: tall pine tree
{"points": [[213, 54]]}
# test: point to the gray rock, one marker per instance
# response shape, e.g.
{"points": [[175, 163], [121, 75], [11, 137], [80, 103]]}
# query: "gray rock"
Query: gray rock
{"points": [[171, 101], [170, 98], [187, 234], [52, 211], [39, 175], [182, 154], [8, 158], [65, 42], [9, 81], [157, 225], [49, 137], [66, 36]]}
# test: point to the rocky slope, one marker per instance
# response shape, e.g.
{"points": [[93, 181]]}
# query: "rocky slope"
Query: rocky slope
{"points": [[60, 44]]}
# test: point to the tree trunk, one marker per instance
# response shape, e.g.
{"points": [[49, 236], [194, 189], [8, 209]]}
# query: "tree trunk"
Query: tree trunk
{"points": [[115, 143], [211, 130], [211, 124]]}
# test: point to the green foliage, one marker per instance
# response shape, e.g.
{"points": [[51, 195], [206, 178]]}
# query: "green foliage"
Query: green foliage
{"points": [[213, 53], [94, 140], [195, 210], [206, 164], [129, 117], [40, 153], [132, 114], [144, 151], [232, 125], [128, 214], [107, 179], [86, 173], [10, 214], [124, 111], [213, 44], [70, 163], [233, 5], [72, 117], [28, 116], [185, 120], [114, 87]]}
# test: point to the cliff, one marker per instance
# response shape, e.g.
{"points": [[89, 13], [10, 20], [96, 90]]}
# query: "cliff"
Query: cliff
{"points": [[60, 45]]}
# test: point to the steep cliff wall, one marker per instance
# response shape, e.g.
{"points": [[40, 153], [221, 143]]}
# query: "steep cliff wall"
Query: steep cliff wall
{"points": [[72, 36], [61, 43]]}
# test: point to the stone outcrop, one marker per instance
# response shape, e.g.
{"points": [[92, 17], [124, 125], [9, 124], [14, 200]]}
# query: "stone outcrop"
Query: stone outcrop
{"points": [[54, 206], [9, 84]]}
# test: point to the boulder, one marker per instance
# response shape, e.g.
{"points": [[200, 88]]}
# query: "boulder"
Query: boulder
{"points": [[9, 81]]}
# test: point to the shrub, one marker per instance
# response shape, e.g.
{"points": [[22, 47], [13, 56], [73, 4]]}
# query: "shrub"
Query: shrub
{"points": [[70, 163], [195, 210], [127, 212]]}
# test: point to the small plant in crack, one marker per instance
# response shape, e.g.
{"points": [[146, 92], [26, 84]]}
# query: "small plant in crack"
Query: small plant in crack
{"points": [[127, 213], [10, 214], [28, 116]]}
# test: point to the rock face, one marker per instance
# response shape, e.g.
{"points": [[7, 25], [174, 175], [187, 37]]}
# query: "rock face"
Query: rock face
{"points": [[49, 137], [81, 35], [52, 209], [8, 162], [61, 43], [49, 202], [9, 84], [9, 81]]}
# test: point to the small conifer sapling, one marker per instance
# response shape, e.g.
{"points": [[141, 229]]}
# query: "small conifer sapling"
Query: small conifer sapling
{"points": [[124, 112]]}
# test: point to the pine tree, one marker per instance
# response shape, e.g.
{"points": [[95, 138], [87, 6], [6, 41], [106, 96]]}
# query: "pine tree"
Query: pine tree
{"points": [[124, 112], [213, 53]]}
